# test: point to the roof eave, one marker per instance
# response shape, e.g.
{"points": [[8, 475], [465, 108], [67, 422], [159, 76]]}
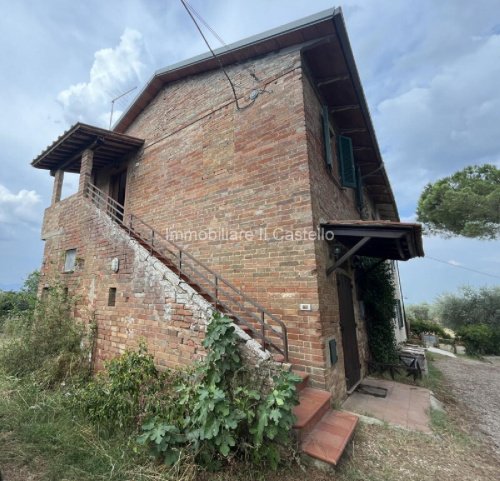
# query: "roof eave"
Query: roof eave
{"points": [[326, 15], [351, 64]]}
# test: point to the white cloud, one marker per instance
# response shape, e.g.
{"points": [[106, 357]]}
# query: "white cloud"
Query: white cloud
{"points": [[18, 208], [114, 71]]}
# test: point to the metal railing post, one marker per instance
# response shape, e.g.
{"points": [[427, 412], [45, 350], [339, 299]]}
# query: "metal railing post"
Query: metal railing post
{"points": [[263, 330], [241, 304], [216, 291]]}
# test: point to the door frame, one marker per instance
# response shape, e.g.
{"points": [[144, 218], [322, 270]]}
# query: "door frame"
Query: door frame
{"points": [[118, 184], [348, 329]]}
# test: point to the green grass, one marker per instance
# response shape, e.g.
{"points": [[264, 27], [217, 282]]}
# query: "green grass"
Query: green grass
{"points": [[39, 431]]}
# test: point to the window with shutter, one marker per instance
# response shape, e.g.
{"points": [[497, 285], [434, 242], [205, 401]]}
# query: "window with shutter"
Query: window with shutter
{"points": [[327, 137], [346, 163]]}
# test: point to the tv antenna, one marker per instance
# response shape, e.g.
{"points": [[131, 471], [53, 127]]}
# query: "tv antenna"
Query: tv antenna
{"points": [[113, 104]]}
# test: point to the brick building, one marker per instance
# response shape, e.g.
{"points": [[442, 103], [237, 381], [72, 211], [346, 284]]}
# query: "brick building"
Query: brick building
{"points": [[255, 205]]}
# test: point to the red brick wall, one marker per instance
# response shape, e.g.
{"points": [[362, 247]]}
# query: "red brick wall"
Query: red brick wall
{"points": [[207, 165], [330, 201], [149, 304]]}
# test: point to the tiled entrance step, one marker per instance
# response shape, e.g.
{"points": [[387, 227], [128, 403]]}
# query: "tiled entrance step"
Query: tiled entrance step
{"points": [[322, 432]]}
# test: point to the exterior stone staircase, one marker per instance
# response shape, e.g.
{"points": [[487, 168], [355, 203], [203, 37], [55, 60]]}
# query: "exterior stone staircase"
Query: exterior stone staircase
{"points": [[322, 432]]}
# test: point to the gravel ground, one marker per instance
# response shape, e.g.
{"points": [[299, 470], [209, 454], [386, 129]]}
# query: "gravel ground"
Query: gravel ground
{"points": [[476, 385]]}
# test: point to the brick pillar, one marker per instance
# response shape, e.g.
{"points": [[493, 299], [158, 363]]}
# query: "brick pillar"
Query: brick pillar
{"points": [[58, 183], [85, 170]]}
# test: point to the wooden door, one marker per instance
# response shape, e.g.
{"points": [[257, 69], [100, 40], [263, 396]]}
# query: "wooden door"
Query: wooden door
{"points": [[117, 192], [348, 330]]}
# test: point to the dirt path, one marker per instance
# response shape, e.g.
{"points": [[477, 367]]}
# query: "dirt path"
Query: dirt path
{"points": [[476, 385]]}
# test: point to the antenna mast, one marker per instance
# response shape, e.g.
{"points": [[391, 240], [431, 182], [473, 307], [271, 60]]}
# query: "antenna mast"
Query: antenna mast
{"points": [[113, 104]]}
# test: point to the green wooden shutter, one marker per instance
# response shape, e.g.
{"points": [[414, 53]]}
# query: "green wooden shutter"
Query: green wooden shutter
{"points": [[347, 170], [326, 136]]}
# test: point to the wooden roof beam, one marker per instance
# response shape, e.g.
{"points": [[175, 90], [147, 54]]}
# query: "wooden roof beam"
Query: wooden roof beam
{"points": [[343, 108], [331, 80], [348, 254], [354, 131]]}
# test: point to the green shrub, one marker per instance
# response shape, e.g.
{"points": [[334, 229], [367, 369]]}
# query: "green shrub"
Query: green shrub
{"points": [[16, 305], [218, 410], [46, 343], [480, 339], [227, 413], [128, 388], [428, 327], [378, 294]]}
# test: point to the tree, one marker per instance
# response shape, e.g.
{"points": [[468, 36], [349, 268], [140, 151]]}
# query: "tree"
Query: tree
{"points": [[467, 203], [471, 307], [419, 312], [15, 302]]}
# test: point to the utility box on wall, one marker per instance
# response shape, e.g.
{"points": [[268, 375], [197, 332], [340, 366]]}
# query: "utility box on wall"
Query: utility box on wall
{"points": [[332, 351]]}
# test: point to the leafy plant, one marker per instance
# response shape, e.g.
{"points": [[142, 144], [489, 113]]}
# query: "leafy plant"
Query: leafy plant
{"points": [[127, 388], [17, 305], [225, 411], [419, 327], [378, 294], [480, 339], [46, 343]]}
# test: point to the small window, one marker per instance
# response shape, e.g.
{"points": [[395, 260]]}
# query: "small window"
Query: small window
{"points": [[70, 260], [112, 296]]}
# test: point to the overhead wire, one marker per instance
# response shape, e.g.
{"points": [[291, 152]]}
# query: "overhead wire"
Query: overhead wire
{"points": [[184, 3], [219, 38], [461, 267], [202, 20]]}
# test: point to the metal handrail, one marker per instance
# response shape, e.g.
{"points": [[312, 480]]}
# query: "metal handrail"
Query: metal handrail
{"points": [[158, 243]]}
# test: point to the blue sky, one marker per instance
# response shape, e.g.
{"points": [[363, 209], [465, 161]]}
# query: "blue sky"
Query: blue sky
{"points": [[430, 70]]}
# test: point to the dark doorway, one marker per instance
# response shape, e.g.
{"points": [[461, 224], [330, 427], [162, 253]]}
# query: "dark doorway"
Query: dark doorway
{"points": [[117, 186], [348, 329]]}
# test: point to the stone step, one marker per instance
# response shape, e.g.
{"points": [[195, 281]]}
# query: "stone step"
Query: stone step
{"points": [[313, 404], [328, 439]]}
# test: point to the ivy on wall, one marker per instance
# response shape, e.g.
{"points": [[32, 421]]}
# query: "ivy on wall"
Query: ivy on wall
{"points": [[376, 284]]}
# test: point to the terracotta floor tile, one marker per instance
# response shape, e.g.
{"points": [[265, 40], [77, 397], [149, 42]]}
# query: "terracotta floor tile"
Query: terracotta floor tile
{"points": [[404, 405]]}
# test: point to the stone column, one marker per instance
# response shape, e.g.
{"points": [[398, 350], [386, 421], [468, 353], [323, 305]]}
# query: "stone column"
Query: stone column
{"points": [[85, 170], [58, 183]]}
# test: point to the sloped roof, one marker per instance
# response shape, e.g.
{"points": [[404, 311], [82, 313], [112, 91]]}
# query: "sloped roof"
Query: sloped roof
{"points": [[309, 28], [65, 152], [330, 63], [388, 240]]}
